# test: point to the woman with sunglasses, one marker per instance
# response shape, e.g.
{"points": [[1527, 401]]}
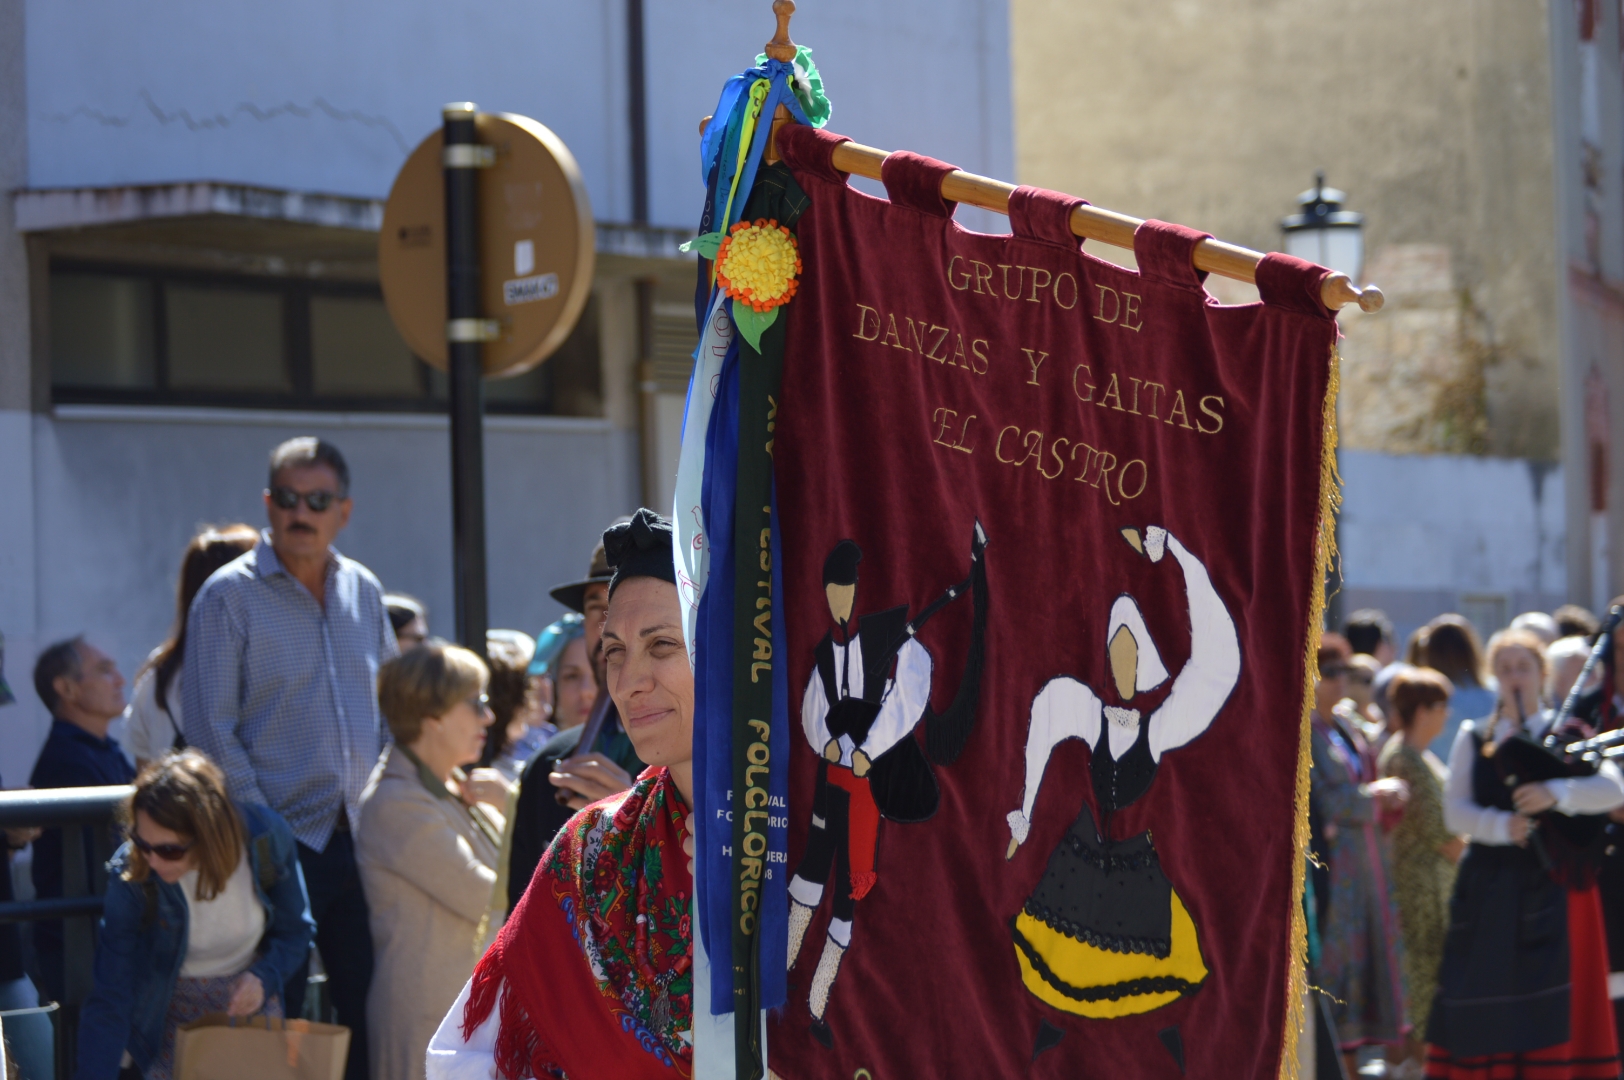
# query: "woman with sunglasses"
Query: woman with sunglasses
{"points": [[205, 912], [428, 858]]}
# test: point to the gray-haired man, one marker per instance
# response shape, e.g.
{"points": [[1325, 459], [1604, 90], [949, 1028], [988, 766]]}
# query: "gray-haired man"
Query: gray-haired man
{"points": [[282, 656]]}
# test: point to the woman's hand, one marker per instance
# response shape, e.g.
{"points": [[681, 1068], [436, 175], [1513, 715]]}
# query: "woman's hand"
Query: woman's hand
{"points": [[247, 996], [591, 777], [1520, 827], [1453, 848], [1392, 793], [688, 843], [21, 838], [1533, 799], [486, 786]]}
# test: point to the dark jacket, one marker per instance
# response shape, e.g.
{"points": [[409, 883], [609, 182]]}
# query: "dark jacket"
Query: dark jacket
{"points": [[539, 815], [71, 757], [141, 944]]}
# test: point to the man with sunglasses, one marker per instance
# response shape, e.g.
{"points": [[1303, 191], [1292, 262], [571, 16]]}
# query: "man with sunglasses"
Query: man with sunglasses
{"points": [[282, 653]]}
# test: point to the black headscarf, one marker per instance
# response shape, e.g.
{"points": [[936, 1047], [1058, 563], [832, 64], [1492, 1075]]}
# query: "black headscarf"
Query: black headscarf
{"points": [[641, 547]]}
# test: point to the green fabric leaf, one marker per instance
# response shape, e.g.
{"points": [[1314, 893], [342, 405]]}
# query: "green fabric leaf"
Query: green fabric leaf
{"points": [[706, 245], [752, 323], [808, 86]]}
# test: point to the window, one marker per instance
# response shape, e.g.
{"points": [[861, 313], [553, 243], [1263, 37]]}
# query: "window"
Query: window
{"points": [[225, 339], [102, 332], [156, 336], [354, 349]]}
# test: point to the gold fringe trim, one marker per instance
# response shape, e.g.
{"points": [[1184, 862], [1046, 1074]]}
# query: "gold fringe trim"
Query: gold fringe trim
{"points": [[1324, 552]]}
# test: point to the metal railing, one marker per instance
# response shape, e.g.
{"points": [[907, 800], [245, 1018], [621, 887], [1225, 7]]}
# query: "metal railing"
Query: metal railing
{"points": [[84, 815]]}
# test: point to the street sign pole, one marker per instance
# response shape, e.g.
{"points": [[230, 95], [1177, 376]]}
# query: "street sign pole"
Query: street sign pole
{"points": [[516, 278], [466, 329]]}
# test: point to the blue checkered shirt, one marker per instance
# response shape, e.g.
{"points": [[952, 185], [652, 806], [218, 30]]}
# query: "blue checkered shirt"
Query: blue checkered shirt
{"points": [[282, 693]]}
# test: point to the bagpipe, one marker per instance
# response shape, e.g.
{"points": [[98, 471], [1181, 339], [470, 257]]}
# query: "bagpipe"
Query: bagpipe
{"points": [[1566, 844]]}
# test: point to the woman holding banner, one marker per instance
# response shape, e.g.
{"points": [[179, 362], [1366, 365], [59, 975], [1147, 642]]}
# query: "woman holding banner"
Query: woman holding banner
{"points": [[592, 975]]}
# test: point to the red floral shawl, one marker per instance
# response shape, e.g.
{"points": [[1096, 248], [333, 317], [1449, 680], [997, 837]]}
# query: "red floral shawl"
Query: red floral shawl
{"points": [[597, 957]]}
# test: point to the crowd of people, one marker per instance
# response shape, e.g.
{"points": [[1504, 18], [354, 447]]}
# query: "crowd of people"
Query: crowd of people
{"points": [[317, 778], [311, 767], [1465, 890]]}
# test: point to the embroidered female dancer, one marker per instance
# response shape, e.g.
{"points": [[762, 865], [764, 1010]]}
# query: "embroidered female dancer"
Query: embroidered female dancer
{"points": [[591, 977], [1104, 934]]}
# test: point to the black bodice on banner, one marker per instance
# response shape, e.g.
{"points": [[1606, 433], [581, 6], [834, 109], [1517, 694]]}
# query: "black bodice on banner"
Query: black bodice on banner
{"points": [[1502, 986], [1111, 894]]}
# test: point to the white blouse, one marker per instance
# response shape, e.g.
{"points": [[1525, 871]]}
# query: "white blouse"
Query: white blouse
{"points": [[224, 933], [451, 1057], [151, 731], [1485, 825]]}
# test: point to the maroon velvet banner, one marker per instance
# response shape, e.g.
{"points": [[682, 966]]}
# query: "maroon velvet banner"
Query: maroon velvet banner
{"points": [[1049, 537]]}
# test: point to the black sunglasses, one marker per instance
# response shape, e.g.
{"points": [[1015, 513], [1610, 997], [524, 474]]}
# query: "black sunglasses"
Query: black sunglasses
{"points": [[318, 501], [166, 852]]}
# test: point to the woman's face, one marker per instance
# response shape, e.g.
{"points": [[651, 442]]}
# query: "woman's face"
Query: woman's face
{"points": [[1518, 673], [649, 678], [1428, 722], [154, 835], [458, 737], [576, 687], [1331, 688]]}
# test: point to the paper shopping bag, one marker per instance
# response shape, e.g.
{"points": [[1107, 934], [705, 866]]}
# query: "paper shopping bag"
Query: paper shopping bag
{"points": [[219, 1047]]}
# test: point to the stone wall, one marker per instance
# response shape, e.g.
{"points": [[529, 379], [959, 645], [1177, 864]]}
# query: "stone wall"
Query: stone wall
{"points": [[1434, 116]]}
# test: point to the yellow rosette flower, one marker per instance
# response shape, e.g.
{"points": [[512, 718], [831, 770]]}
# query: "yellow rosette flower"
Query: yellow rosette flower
{"points": [[758, 264]]}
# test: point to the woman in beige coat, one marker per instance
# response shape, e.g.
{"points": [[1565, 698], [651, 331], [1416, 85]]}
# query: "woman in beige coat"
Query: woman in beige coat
{"points": [[428, 860]]}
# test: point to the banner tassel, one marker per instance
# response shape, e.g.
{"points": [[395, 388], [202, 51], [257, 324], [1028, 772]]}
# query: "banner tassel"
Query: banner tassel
{"points": [[1324, 551]]}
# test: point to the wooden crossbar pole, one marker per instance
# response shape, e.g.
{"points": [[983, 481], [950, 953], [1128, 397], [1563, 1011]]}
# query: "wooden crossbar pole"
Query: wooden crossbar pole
{"points": [[1106, 226]]}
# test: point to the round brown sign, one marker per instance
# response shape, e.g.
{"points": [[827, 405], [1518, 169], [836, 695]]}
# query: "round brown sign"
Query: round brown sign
{"points": [[536, 245]]}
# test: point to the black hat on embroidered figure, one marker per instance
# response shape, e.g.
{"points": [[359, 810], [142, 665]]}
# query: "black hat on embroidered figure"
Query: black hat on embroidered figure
{"points": [[840, 568], [641, 547]]}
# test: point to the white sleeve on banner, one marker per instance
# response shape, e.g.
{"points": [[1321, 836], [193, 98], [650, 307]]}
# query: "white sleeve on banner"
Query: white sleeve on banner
{"points": [[687, 513]]}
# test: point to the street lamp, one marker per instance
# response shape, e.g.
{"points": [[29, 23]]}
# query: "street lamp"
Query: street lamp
{"points": [[1325, 233]]}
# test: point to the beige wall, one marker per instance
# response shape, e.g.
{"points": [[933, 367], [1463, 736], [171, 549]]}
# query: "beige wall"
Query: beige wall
{"points": [[1435, 117]]}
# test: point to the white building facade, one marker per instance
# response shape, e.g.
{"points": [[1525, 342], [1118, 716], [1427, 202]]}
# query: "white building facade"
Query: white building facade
{"points": [[188, 275]]}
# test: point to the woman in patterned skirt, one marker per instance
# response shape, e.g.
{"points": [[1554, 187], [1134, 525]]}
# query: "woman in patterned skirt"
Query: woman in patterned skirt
{"points": [[205, 913], [1360, 959], [1424, 850]]}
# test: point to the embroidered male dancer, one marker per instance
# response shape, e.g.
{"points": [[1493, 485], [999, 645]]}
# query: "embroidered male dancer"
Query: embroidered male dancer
{"points": [[869, 690]]}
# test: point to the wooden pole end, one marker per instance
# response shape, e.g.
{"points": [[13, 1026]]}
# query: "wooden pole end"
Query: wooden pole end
{"points": [[1338, 291], [781, 48]]}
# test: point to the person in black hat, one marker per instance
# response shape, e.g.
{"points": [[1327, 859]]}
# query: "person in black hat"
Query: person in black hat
{"points": [[869, 689], [558, 781]]}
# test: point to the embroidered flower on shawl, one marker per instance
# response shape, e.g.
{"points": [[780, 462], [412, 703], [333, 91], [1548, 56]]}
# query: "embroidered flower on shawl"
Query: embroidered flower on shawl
{"points": [[759, 264], [631, 928]]}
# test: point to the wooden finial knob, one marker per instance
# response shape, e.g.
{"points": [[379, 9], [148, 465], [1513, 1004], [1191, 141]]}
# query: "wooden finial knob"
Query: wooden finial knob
{"points": [[781, 47]]}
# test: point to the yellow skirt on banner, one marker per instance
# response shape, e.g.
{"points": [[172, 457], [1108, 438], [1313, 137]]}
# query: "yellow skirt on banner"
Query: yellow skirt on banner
{"points": [[1079, 978]]}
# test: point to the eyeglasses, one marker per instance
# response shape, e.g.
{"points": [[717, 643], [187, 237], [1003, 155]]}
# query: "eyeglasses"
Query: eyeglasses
{"points": [[480, 703], [318, 501], [166, 852]]}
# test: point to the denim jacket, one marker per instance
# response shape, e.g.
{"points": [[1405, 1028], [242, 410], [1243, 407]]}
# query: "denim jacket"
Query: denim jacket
{"points": [[141, 944]]}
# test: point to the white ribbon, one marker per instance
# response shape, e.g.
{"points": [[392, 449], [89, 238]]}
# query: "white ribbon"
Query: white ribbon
{"points": [[687, 514]]}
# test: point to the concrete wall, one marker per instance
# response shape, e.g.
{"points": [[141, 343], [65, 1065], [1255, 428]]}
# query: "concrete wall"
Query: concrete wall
{"points": [[330, 97], [313, 95], [1426, 534], [120, 492], [1434, 115]]}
